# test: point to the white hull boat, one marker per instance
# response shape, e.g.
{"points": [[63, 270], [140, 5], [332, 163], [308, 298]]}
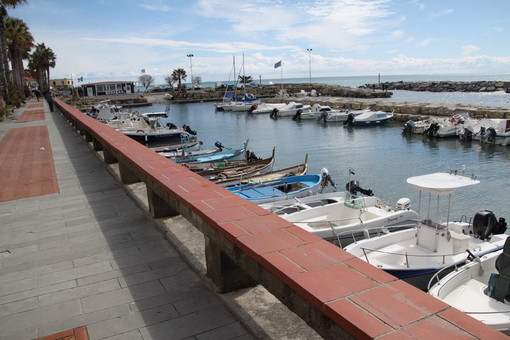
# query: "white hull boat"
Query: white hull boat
{"points": [[370, 118], [487, 130], [416, 254], [353, 218], [474, 288], [290, 110], [266, 108]]}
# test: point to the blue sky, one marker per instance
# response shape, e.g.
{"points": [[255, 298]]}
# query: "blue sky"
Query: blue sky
{"points": [[115, 39]]}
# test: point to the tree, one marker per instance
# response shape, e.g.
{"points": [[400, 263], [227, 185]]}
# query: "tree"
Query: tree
{"points": [[19, 43], [146, 80], [40, 62], [4, 62], [245, 79], [178, 76]]}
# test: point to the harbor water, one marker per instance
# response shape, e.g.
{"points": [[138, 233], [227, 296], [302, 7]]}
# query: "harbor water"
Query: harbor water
{"points": [[381, 158]]}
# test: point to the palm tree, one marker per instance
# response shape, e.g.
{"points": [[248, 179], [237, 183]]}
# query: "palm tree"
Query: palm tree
{"points": [[40, 62], [178, 76], [19, 43], [245, 79], [4, 62]]}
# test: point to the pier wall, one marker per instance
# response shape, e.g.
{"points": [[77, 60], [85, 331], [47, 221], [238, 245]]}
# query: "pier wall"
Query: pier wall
{"points": [[338, 295]]}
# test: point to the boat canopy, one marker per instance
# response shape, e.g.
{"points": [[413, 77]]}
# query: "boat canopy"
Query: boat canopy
{"points": [[441, 183]]}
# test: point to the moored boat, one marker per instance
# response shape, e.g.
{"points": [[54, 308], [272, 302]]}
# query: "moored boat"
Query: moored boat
{"points": [[288, 187], [480, 288], [370, 118], [228, 179], [220, 156], [416, 254]]}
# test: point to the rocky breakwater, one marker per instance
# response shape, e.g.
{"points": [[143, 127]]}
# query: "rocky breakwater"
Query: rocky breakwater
{"points": [[442, 86]]}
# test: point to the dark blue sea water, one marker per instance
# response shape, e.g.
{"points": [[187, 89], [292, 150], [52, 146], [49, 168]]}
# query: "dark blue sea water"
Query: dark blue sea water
{"points": [[381, 157]]}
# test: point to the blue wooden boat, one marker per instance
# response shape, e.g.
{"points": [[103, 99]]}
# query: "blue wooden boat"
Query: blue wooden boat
{"points": [[278, 189], [220, 156]]}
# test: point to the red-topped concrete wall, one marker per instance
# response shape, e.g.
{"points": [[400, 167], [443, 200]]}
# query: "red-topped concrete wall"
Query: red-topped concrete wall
{"points": [[337, 294]]}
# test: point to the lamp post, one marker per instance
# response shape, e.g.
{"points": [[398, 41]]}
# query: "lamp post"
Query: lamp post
{"points": [[191, 68], [309, 63]]}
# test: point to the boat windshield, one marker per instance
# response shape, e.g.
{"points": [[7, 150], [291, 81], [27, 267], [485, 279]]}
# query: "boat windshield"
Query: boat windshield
{"points": [[354, 202]]}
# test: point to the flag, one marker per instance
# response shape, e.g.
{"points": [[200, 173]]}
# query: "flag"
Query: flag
{"points": [[143, 71], [278, 64]]}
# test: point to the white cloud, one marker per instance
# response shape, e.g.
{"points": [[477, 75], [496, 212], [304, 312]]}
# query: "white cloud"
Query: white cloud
{"points": [[425, 42], [441, 13], [469, 49]]}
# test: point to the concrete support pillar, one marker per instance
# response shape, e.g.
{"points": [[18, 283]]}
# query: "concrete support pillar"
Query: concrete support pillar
{"points": [[225, 274], [127, 175], [158, 207], [96, 145], [88, 137], [109, 157]]}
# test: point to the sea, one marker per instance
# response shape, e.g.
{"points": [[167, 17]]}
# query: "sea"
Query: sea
{"points": [[380, 157]]}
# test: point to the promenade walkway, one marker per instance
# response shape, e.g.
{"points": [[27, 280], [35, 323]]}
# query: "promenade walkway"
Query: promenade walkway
{"points": [[78, 257]]}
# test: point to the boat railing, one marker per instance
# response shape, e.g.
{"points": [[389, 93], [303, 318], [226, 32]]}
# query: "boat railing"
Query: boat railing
{"points": [[471, 257], [378, 231], [407, 256]]}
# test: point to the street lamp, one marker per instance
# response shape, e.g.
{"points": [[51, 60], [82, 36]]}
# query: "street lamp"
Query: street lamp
{"points": [[191, 68], [309, 63]]}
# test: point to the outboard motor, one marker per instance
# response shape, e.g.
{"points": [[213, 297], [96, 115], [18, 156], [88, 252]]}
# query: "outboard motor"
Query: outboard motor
{"points": [[350, 119], [188, 130], [432, 129], [274, 113], [485, 224], [408, 127], [250, 156], [219, 146], [297, 116], [490, 135], [466, 134], [499, 284], [353, 188], [253, 108]]}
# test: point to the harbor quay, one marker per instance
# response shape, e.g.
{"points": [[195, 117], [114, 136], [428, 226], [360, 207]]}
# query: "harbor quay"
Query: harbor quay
{"points": [[102, 238]]}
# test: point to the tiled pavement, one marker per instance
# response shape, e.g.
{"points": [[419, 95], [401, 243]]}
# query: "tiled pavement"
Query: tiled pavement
{"points": [[84, 254]]}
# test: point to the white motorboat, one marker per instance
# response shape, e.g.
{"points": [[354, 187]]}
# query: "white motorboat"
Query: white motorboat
{"points": [[290, 110], [344, 217], [448, 127], [327, 114], [369, 118], [150, 132], [416, 254], [487, 130], [480, 287], [263, 108]]}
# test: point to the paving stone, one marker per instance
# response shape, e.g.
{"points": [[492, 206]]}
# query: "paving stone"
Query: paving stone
{"points": [[199, 322], [84, 319], [18, 306], [130, 322], [78, 292], [121, 296]]}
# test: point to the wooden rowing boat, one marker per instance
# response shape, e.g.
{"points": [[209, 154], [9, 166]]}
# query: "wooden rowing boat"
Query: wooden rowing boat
{"points": [[257, 177], [233, 168]]}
